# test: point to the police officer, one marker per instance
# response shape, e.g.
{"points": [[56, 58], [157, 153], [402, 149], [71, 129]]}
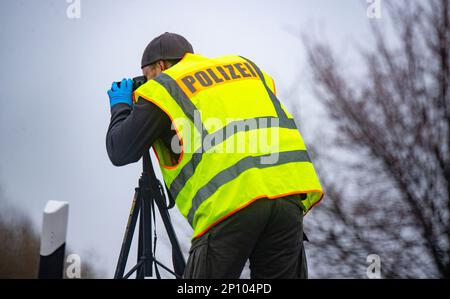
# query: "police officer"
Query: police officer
{"points": [[243, 204]]}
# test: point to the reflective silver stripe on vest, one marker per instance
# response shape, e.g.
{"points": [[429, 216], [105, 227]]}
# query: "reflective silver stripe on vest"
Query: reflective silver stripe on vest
{"points": [[243, 125], [276, 103], [237, 169], [188, 170], [181, 98]]}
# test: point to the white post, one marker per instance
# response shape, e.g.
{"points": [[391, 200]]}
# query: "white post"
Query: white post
{"points": [[53, 239]]}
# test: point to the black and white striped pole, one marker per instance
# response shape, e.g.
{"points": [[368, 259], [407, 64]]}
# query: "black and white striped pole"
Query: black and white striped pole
{"points": [[53, 240]]}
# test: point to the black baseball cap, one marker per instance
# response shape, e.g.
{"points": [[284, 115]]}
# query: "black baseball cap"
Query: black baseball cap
{"points": [[166, 46]]}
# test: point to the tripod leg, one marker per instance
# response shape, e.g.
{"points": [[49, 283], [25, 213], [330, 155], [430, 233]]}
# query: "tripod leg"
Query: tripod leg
{"points": [[146, 230], [129, 231], [145, 251], [140, 253], [177, 256]]}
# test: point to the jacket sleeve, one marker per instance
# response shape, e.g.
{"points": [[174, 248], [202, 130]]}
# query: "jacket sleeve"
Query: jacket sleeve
{"points": [[132, 131]]}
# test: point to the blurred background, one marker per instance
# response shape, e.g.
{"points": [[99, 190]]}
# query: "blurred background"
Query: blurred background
{"points": [[367, 81]]}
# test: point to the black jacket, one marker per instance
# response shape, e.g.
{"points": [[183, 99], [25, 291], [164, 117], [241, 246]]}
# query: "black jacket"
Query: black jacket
{"points": [[133, 130]]}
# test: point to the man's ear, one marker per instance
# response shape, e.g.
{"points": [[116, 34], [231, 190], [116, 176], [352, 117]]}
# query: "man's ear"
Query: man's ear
{"points": [[165, 65], [160, 64]]}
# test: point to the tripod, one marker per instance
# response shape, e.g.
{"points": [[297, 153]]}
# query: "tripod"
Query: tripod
{"points": [[149, 192]]}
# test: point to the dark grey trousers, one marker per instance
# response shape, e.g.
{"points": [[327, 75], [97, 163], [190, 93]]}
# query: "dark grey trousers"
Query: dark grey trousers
{"points": [[268, 232]]}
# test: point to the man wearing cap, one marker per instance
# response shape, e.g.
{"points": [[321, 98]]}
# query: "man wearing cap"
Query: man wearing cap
{"points": [[243, 204]]}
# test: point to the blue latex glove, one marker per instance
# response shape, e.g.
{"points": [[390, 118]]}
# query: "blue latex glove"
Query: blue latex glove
{"points": [[122, 94]]}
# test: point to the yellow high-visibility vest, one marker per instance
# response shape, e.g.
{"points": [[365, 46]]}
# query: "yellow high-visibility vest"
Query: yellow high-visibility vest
{"points": [[237, 142]]}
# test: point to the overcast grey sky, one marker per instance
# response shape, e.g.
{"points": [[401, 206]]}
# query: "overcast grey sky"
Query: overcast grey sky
{"points": [[55, 71]]}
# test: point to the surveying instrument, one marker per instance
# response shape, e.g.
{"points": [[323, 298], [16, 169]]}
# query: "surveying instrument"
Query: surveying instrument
{"points": [[148, 193]]}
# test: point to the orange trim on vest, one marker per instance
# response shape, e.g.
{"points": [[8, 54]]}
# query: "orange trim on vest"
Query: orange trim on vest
{"points": [[274, 89], [253, 200], [315, 204], [176, 130]]}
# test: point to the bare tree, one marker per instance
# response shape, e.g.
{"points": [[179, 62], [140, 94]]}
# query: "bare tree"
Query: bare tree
{"points": [[19, 249], [387, 176]]}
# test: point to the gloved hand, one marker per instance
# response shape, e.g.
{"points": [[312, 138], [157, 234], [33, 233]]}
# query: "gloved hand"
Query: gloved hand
{"points": [[122, 94]]}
